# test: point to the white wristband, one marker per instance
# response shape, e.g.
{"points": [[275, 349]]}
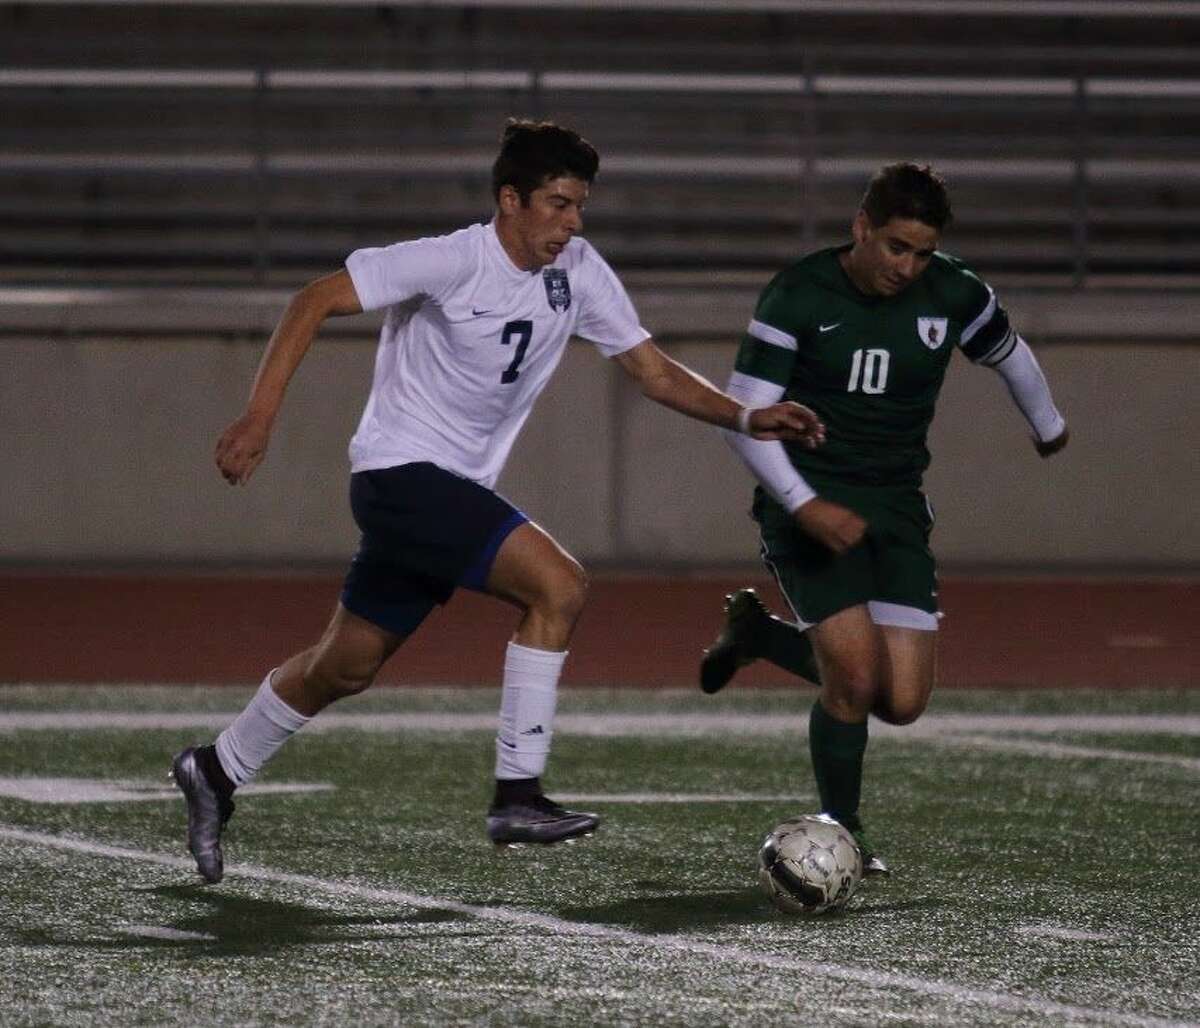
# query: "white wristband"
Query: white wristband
{"points": [[741, 421]]}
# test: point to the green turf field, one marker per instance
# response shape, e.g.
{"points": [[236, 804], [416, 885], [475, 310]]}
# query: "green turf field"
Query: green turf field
{"points": [[1043, 847]]}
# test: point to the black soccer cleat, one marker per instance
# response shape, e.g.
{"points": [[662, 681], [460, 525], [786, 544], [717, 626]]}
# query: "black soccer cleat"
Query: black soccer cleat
{"points": [[537, 820], [735, 647], [208, 811]]}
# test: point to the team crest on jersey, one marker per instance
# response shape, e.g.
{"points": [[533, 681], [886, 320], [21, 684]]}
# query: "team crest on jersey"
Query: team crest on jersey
{"points": [[932, 331], [558, 288]]}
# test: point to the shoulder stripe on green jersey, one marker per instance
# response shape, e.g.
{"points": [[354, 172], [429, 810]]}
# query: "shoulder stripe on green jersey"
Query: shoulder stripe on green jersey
{"points": [[989, 338], [765, 361], [1001, 350], [771, 334], [989, 309]]}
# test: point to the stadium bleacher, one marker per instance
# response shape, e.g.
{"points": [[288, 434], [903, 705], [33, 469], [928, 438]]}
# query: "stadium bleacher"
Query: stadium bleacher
{"points": [[186, 144], [170, 172]]}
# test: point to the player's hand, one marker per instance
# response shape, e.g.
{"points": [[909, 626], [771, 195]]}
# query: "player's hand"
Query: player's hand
{"points": [[788, 420], [242, 447], [1052, 446], [830, 523]]}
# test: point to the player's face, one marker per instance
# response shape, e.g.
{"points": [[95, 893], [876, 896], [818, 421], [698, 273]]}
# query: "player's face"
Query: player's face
{"points": [[536, 232], [887, 259]]}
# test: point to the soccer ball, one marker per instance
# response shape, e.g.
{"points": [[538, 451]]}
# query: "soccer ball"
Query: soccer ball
{"points": [[809, 865]]}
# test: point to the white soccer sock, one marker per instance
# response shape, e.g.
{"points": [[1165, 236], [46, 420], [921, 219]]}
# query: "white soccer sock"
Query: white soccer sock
{"points": [[527, 710], [256, 733]]}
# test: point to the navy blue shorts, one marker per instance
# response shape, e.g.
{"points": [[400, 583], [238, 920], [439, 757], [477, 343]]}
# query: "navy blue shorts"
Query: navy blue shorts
{"points": [[425, 531]]}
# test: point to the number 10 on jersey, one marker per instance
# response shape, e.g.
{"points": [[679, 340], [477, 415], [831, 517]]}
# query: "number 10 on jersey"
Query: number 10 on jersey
{"points": [[869, 371]]}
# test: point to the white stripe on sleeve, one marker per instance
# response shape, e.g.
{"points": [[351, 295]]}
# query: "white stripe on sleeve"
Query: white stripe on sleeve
{"points": [[771, 334], [985, 315], [1000, 351]]}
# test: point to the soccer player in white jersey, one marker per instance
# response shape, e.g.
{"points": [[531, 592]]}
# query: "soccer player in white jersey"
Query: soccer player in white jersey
{"points": [[476, 322]]}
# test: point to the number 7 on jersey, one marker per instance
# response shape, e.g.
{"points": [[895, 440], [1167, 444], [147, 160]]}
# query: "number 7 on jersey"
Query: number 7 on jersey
{"points": [[522, 331]]}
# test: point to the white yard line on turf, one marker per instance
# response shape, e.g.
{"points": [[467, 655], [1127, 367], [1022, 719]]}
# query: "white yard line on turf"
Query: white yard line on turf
{"points": [[152, 931], [679, 797], [721, 952], [663, 725], [1060, 750], [951, 729], [99, 790], [1052, 931]]}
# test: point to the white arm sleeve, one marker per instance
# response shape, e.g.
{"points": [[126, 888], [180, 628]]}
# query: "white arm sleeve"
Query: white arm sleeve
{"points": [[1030, 392], [767, 459]]}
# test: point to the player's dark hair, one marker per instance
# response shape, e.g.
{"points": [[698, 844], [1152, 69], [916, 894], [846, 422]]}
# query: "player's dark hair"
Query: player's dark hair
{"points": [[907, 190], [533, 152]]}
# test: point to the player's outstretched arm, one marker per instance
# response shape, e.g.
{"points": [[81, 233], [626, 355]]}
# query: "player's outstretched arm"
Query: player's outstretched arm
{"points": [[670, 383], [243, 444], [1030, 392]]}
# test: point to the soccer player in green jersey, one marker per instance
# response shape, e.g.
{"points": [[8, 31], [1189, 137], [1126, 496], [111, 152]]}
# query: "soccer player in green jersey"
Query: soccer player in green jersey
{"points": [[862, 334]]}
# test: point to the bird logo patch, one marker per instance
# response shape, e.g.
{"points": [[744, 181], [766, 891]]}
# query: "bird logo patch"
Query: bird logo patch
{"points": [[558, 288], [932, 331]]}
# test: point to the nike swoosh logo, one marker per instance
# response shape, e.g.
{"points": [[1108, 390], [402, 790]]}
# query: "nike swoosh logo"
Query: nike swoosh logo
{"points": [[476, 311], [828, 328]]}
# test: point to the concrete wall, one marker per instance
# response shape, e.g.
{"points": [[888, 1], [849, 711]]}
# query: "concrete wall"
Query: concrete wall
{"points": [[108, 457]]}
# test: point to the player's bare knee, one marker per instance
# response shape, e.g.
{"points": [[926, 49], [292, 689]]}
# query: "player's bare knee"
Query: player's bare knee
{"points": [[848, 697], [898, 713], [563, 598], [856, 683], [575, 592], [337, 680]]}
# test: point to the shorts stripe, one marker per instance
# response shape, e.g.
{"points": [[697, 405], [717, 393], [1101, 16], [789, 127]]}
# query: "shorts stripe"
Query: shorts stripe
{"points": [[475, 577], [800, 623], [899, 616]]}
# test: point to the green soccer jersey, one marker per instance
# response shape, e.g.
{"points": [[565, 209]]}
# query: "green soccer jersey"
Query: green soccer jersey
{"points": [[870, 366]]}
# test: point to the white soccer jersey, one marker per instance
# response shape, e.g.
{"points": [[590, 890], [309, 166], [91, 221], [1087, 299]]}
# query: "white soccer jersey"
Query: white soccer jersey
{"points": [[470, 340]]}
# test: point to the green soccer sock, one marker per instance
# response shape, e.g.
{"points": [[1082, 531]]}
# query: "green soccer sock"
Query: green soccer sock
{"points": [[784, 645], [837, 755]]}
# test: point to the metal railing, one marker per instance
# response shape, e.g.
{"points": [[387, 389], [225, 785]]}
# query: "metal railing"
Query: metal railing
{"points": [[1079, 165]]}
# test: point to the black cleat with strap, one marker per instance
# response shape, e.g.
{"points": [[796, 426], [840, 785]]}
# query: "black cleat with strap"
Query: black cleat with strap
{"points": [[208, 811], [537, 819], [736, 646]]}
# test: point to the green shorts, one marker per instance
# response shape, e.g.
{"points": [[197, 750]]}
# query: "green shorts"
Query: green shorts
{"points": [[892, 570]]}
